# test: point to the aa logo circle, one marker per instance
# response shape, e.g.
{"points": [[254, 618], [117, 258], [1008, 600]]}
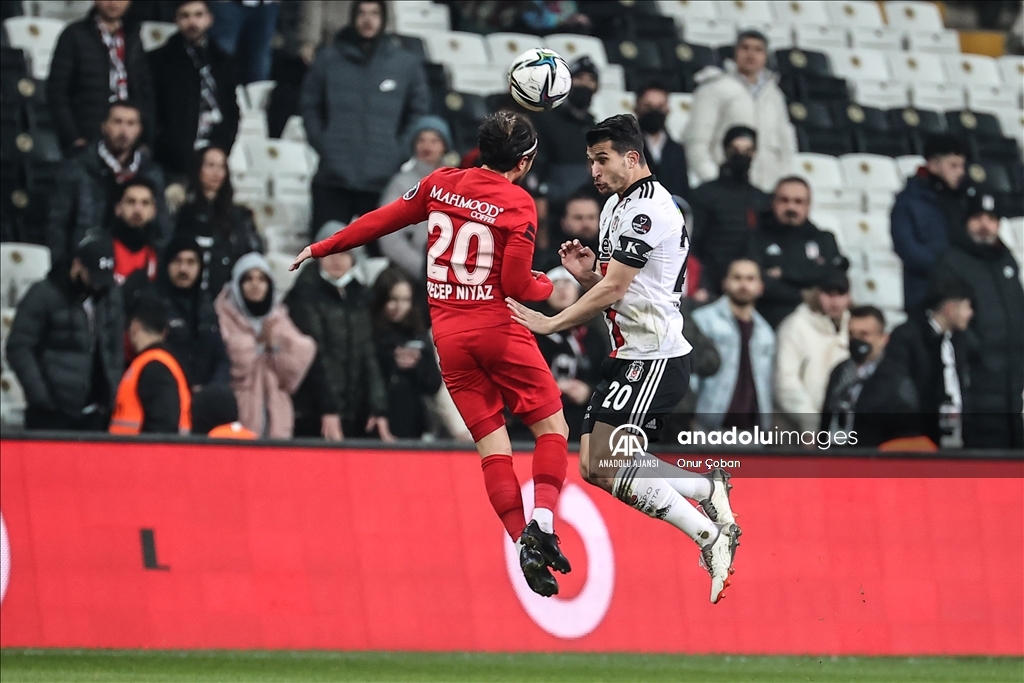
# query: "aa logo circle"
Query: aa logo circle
{"points": [[628, 441]]}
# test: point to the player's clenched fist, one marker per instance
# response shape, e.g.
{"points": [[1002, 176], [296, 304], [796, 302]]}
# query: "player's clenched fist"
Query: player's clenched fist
{"points": [[576, 257]]}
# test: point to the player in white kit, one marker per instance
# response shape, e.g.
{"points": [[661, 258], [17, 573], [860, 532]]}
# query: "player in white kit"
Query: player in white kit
{"points": [[636, 281]]}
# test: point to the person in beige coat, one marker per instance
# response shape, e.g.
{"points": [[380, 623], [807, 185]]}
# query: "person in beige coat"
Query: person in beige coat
{"points": [[811, 341], [744, 93]]}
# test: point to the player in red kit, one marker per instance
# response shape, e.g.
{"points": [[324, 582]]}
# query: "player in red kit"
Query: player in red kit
{"points": [[481, 232]]}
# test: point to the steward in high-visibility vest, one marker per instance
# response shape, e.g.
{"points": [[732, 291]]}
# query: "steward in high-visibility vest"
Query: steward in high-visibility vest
{"points": [[154, 396]]}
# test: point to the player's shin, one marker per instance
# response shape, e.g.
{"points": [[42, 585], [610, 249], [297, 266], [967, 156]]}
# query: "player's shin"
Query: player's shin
{"points": [[504, 492], [656, 497], [550, 457], [686, 483]]}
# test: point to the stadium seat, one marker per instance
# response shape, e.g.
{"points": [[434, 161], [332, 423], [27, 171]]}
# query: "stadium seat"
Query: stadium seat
{"points": [[974, 125], [6, 320], [643, 26], [855, 13], [504, 47], [613, 76], [37, 36], [937, 96], [21, 265], [879, 285], [991, 98], [745, 14], [806, 76], [915, 68], [1011, 232], [416, 19], [850, 64], [479, 79], [679, 105], [155, 33], [801, 12], [65, 10], [1011, 121], [945, 41], [913, 16], [256, 96], [609, 103], [686, 61], [879, 94], [1012, 68], [821, 38], [290, 217], [880, 200], [250, 188], [917, 124], [973, 69], [871, 172], [876, 38], [573, 46], [713, 32], [868, 231], [457, 47], [294, 129], [279, 157], [681, 10], [872, 131], [464, 112], [12, 401], [821, 171], [838, 200], [908, 164], [818, 130]]}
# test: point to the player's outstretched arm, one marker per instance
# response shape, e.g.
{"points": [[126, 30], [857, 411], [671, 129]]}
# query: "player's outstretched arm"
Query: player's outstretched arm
{"points": [[608, 290]]}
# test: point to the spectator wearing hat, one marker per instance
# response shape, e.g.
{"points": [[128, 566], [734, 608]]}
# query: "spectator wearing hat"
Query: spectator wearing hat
{"points": [[355, 100], [195, 103], [929, 212], [153, 396], [934, 346], [665, 157], [431, 139], [792, 252], [744, 93], [66, 342], [330, 302], [993, 417], [726, 210], [811, 341]]}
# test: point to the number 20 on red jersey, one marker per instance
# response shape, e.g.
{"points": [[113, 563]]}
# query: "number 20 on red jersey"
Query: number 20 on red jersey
{"points": [[468, 265]]}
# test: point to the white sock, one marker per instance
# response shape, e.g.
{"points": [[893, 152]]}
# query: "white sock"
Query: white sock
{"points": [[686, 483], [655, 497], [545, 519]]}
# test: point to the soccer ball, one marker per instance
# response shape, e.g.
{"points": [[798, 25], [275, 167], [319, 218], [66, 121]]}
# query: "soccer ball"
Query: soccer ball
{"points": [[539, 79]]}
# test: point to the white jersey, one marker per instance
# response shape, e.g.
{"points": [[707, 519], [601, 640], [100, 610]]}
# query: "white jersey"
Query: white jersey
{"points": [[644, 229]]}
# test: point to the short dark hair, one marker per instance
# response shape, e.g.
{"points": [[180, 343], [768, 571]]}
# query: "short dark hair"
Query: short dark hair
{"points": [[151, 313], [728, 268], [505, 138], [354, 12], [181, 3], [942, 145], [651, 85], [786, 180], [868, 312], [751, 33], [125, 104], [948, 287], [623, 131], [137, 181]]}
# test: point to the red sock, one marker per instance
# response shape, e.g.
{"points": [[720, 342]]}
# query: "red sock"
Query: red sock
{"points": [[505, 494], [549, 461]]}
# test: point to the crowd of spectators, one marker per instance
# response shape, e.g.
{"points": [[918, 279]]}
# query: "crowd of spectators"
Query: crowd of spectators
{"points": [[163, 314]]}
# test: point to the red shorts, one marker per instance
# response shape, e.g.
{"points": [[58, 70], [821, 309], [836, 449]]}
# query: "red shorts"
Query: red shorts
{"points": [[493, 367]]}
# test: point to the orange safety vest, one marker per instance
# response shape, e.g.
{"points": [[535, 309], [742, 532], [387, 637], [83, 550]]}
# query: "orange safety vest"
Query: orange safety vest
{"points": [[128, 415], [232, 430]]}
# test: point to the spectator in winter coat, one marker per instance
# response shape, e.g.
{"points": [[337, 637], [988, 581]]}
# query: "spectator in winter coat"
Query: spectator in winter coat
{"points": [[271, 360], [97, 60], [726, 210], [66, 344], [90, 184], [664, 155], [407, 248], [740, 393], [744, 94], [195, 100], [928, 213], [224, 230], [580, 221], [355, 98], [405, 354], [979, 257], [793, 254], [132, 231]]}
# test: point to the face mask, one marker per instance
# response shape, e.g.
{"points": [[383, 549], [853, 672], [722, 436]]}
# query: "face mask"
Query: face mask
{"points": [[859, 350], [652, 121], [580, 96], [739, 166]]}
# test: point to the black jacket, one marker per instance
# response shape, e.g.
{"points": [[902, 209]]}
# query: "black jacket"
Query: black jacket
{"points": [[158, 394], [916, 347], [408, 417], [83, 201], [805, 254], [178, 99], [997, 376], [725, 212], [561, 164], [78, 89], [222, 245], [61, 365], [671, 170], [883, 410]]}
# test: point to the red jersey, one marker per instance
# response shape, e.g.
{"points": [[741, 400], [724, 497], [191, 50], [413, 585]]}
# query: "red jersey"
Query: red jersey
{"points": [[481, 233]]}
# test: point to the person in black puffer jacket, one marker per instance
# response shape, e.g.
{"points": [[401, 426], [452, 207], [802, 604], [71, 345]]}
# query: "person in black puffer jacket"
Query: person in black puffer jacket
{"points": [[993, 403], [224, 230]]}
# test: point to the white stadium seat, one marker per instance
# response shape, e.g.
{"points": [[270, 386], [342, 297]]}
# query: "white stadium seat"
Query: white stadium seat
{"points": [[1011, 231], [155, 33], [294, 129], [609, 103], [820, 38], [852, 64], [881, 287], [6, 321], [504, 47], [65, 10], [879, 94], [881, 200], [285, 216], [744, 13], [914, 67], [938, 96], [461, 47], [37, 36], [829, 221], [820, 170], [837, 199], [779, 35], [713, 32], [681, 10], [256, 96], [278, 157], [871, 172], [250, 188], [868, 231], [21, 265], [811, 12], [679, 106], [991, 98], [12, 401], [1012, 123], [478, 79], [945, 41], [572, 46], [909, 164], [914, 16], [855, 13], [876, 38], [1012, 68], [416, 19], [613, 77], [973, 69]]}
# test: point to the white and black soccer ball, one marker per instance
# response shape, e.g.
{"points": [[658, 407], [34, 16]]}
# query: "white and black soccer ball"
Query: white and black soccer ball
{"points": [[539, 79]]}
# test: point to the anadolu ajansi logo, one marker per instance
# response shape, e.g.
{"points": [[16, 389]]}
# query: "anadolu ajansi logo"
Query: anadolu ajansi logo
{"points": [[628, 441]]}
